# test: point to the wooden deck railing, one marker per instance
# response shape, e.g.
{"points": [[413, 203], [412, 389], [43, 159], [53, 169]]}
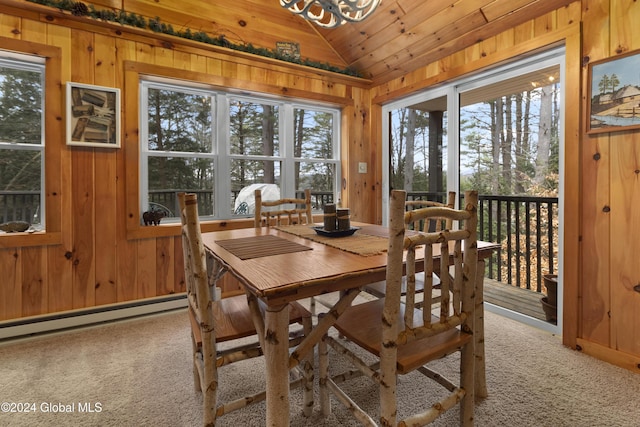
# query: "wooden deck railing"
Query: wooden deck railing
{"points": [[527, 229], [20, 206], [167, 200]]}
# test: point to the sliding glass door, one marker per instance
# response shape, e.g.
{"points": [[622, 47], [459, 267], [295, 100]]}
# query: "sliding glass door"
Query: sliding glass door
{"points": [[499, 132]]}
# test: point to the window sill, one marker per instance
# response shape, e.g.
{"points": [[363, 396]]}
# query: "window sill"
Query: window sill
{"points": [[38, 238], [173, 229]]}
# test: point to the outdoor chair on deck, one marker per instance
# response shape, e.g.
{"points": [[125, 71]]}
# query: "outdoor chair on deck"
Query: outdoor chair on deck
{"points": [[223, 320], [403, 337], [377, 289]]}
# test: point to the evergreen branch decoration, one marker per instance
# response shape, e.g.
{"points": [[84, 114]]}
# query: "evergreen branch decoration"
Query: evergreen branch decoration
{"points": [[154, 24]]}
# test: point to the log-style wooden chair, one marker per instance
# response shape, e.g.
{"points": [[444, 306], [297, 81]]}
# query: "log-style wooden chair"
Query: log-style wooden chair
{"points": [[286, 212], [405, 338], [225, 320], [299, 211], [377, 289]]}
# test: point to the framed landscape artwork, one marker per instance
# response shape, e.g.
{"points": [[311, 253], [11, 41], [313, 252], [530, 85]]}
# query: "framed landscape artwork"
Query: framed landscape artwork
{"points": [[93, 116], [614, 94]]}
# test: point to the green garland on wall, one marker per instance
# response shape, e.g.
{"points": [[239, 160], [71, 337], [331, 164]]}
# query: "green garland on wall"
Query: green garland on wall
{"points": [[131, 19]]}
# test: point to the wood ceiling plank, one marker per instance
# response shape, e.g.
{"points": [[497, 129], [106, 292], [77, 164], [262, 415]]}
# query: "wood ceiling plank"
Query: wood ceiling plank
{"points": [[424, 32], [396, 57], [499, 8], [389, 14], [383, 72]]}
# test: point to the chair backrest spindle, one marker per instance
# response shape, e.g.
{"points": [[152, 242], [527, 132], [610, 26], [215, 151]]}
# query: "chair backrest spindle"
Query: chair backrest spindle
{"points": [[433, 223], [295, 215]]}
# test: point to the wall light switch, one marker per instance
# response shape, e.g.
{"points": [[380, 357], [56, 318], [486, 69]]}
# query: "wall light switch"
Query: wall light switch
{"points": [[362, 167]]}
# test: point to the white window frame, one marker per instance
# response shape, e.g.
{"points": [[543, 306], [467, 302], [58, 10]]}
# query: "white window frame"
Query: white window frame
{"points": [[34, 64], [221, 154]]}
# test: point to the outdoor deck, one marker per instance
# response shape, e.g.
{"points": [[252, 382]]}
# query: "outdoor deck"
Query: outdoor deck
{"points": [[517, 299]]}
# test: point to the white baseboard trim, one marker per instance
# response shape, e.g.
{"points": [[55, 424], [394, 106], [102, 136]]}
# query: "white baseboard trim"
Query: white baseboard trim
{"points": [[84, 317]]}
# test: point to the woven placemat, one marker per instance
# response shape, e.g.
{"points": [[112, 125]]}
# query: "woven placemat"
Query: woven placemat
{"points": [[261, 246], [359, 243]]}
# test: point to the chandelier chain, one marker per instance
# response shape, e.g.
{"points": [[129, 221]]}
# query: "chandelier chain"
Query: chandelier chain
{"points": [[331, 13]]}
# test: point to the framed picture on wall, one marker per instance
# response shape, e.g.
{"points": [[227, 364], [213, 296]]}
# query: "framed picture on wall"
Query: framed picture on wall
{"points": [[93, 116], [290, 49], [614, 94]]}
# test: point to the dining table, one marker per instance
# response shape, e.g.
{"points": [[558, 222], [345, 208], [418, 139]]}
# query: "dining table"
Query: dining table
{"points": [[278, 265]]}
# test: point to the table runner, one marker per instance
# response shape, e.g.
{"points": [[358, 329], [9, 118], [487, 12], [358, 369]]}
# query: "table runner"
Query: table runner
{"points": [[360, 242], [260, 246]]}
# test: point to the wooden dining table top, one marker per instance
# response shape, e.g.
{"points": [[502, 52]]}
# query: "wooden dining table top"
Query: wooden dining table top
{"points": [[280, 267]]}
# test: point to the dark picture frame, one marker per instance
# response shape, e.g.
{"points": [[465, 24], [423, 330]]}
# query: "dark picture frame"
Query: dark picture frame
{"points": [[614, 94], [93, 115], [289, 49]]}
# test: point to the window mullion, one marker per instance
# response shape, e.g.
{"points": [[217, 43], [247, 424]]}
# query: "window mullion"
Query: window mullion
{"points": [[287, 137], [222, 170], [144, 147]]}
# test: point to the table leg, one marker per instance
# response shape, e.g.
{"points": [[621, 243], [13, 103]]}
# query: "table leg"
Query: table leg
{"points": [[480, 371], [277, 365]]}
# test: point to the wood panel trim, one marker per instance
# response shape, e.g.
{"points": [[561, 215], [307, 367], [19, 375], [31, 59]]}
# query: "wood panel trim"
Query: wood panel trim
{"points": [[229, 84], [16, 240], [572, 192], [167, 230], [53, 145], [615, 357]]}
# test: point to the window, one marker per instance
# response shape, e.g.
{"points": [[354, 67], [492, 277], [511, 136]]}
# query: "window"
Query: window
{"points": [[418, 149], [509, 133], [222, 146], [22, 139]]}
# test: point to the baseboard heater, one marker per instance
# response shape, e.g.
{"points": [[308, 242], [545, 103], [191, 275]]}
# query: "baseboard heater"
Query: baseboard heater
{"points": [[90, 316]]}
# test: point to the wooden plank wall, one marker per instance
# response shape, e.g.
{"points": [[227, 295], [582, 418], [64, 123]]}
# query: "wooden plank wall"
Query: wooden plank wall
{"points": [[95, 251], [610, 308]]}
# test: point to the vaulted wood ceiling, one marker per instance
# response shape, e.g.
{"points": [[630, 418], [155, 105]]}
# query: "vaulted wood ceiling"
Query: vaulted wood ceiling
{"points": [[400, 36], [403, 35]]}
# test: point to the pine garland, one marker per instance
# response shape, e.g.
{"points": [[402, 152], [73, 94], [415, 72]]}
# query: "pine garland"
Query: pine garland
{"points": [[154, 24]]}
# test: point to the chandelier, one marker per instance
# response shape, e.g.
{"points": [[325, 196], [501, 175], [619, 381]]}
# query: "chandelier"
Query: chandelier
{"points": [[331, 13]]}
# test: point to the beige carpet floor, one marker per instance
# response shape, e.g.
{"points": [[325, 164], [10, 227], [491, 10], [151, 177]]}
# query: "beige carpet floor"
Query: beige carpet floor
{"points": [[138, 373]]}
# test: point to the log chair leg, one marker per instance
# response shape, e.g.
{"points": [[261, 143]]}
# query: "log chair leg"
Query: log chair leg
{"points": [[307, 325], [277, 365], [323, 365], [480, 368]]}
